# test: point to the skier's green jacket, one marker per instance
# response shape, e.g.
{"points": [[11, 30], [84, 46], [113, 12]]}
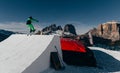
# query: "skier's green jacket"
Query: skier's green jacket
{"points": [[29, 23]]}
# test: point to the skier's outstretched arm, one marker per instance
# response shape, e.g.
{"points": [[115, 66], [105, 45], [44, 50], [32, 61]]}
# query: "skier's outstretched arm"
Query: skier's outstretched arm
{"points": [[35, 20]]}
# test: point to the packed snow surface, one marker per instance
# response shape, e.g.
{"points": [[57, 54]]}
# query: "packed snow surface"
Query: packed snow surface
{"points": [[108, 61], [19, 51]]}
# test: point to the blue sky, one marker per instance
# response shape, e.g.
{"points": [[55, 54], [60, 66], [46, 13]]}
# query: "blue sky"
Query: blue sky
{"points": [[84, 14]]}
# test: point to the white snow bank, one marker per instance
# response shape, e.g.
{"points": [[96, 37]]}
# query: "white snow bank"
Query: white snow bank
{"points": [[27, 54], [108, 61]]}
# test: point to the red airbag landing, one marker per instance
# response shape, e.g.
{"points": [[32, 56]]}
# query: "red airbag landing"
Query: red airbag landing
{"points": [[72, 45]]}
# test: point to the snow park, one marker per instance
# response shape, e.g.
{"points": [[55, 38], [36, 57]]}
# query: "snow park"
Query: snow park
{"points": [[59, 36], [57, 50]]}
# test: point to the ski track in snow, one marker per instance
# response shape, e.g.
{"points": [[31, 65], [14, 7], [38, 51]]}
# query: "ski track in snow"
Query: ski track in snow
{"points": [[108, 61]]}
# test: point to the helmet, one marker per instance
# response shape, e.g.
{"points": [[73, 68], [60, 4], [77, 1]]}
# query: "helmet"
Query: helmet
{"points": [[30, 17]]}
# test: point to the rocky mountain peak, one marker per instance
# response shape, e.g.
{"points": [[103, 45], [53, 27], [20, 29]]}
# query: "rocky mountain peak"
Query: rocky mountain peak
{"points": [[70, 28], [108, 30]]}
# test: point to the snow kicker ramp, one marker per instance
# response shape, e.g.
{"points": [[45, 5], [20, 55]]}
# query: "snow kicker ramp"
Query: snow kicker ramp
{"points": [[27, 54]]}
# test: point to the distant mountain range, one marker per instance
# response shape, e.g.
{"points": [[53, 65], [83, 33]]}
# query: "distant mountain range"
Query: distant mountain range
{"points": [[105, 35], [68, 30]]}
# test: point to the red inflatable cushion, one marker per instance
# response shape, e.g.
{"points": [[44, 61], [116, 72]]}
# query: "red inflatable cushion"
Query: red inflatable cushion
{"points": [[72, 45]]}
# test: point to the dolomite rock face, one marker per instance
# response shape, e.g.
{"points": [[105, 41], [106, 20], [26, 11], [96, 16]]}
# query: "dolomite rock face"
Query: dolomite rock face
{"points": [[109, 30]]}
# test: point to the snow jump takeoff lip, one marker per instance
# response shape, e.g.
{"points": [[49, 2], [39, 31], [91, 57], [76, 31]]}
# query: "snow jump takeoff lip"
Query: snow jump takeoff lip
{"points": [[75, 53]]}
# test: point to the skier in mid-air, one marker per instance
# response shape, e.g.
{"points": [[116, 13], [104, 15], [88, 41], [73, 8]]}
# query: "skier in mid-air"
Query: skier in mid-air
{"points": [[30, 25]]}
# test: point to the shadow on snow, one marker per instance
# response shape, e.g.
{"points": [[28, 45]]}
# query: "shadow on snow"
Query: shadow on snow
{"points": [[106, 62]]}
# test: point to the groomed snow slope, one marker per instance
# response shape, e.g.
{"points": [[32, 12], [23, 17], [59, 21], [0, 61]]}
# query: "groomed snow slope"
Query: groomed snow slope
{"points": [[108, 61], [27, 54]]}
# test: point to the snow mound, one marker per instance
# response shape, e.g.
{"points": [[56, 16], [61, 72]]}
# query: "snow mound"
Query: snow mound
{"points": [[27, 54]]}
